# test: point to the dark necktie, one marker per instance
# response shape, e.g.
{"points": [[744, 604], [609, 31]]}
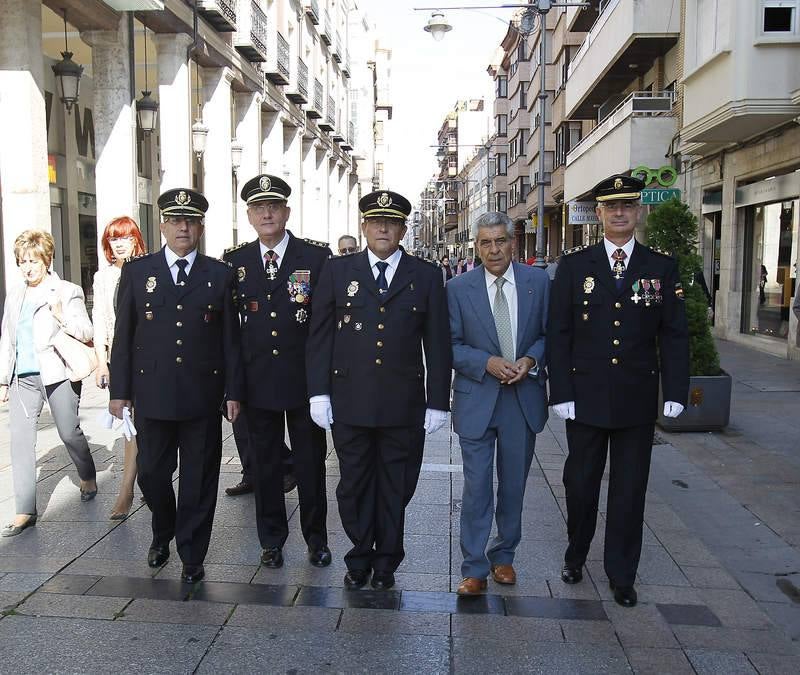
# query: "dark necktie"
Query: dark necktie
{"points": [[383, 286], [619, 266], [182, 276], [271, 267]]}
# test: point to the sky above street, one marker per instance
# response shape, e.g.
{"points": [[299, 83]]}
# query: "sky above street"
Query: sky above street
{"points": [[428, 77]]}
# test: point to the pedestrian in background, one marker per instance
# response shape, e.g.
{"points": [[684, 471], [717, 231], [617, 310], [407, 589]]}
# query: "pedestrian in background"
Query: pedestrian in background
{"points": [[498, 319], [374, 313], [447, 271], [32, 371], [347, 245], [121, 240], [552, 266], [616, 319], [176, 358], [277, 277]]}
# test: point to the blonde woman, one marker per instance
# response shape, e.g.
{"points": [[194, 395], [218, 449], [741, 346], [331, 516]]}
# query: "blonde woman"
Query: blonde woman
{"points": [[32, 372], [121, 240]]}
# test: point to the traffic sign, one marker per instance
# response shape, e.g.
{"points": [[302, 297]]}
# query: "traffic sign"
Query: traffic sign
{"points": [[658, 196]]}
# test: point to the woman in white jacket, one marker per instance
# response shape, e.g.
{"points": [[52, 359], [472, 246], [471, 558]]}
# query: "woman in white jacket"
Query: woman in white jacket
{"points": [[31, 370], [121, 240]]}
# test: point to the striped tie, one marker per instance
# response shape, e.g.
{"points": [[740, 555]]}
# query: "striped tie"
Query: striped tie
{"points": [[502, 321]]}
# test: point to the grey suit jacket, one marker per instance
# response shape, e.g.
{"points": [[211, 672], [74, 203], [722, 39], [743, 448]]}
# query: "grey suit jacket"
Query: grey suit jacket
{"points": [[474, 339]]}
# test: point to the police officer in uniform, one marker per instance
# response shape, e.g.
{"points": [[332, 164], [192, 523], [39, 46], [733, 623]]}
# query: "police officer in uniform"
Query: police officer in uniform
{"points": [[616, 322], [374, 313], [176, 358], [277, 275]]}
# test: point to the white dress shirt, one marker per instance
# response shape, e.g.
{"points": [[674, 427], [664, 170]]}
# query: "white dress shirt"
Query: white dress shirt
{"points": [[279, 248], [510, 291], [612, 247], [172, 257], [393, 260]]}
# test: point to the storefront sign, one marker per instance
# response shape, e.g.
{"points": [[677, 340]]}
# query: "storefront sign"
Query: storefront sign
{"points": [[658, 196], [665, 176], [775, 189], [582, 213]]}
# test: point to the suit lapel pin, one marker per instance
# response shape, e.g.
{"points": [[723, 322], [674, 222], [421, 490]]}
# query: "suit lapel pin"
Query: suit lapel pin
{"points": [[301, 315], [241, 273], [148, 316], [150, 284], [346, 318], [358, 325], [588, 284]]}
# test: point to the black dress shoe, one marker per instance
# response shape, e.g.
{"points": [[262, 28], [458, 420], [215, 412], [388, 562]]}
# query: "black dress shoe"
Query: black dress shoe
{"points": [[382, 581], [319, 557], [571, 575], [624, 595], [355, 579], [241, 488], [272, 557], [191, 574], [88, 495], [289, 482], [157, 555], [13, 530]]}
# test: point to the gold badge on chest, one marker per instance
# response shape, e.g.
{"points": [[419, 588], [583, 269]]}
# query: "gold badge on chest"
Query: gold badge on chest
{"points": [[352, 289], [150, 284], [588, 284]]}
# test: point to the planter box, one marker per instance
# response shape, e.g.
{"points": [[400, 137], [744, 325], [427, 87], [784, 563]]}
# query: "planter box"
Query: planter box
{"points": [[709, 407]]}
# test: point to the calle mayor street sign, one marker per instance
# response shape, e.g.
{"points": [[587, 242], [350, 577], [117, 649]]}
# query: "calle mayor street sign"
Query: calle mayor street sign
{"points": [[658, 195]]}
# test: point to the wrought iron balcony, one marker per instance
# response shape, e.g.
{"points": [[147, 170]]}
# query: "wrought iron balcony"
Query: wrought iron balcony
{"points": [[337, 47], [315, 109], [312, 10], [219, 13], [326, 33], [330, 116], [251, 38], [299, 92], [277, 68], [351, 135], [346, 63]]}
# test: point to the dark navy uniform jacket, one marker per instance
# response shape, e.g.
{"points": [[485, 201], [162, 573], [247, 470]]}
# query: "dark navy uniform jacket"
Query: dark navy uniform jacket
{"points": [[176, 351], [275, 321], [365, 349], [606, 347]]}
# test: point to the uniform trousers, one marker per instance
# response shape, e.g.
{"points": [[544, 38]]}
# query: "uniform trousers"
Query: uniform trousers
{"points": [[241, 436], [26, 396], [379, 469], [199, 442], [309, 447], [630, 449], [515, 442]]}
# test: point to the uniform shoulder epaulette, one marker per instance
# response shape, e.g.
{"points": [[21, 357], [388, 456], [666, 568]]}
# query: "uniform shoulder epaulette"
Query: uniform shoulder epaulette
{"points": [[227, 263], [235, 248], [314, 242], [574, 249], [429, 262], [138, 257], [661, 251]]}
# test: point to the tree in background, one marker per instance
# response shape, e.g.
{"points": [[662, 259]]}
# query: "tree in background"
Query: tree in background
{"points": [[672, 227]]}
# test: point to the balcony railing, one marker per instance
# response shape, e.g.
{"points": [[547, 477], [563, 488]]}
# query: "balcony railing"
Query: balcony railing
{"points": [[312, 10], [326, 33], [351, 133], [337, 47], [299, 93], [637, 104], [277, 67], [251, 39], [346, 64], [219, 13], [330, 115], [315, 109], [283, 56]]}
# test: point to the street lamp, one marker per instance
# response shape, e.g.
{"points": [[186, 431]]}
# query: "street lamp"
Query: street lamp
{"points": [[146, 107], [236, 155], [68, 74], [526, 25], [437, 26]]}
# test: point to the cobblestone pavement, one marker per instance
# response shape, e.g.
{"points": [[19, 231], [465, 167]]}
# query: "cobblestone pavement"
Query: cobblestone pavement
{"points": [[718, 582]]}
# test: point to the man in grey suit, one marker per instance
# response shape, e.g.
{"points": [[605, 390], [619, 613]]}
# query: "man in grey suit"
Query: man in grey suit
{"points": [[498, 320]]}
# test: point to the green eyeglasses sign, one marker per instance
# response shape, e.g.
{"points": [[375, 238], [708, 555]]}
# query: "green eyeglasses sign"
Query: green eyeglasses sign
{"points": [[664, 176]]}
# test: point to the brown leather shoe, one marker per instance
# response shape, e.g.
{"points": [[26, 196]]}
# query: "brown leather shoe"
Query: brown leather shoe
{"points": [[471, 586], [504, 574]]}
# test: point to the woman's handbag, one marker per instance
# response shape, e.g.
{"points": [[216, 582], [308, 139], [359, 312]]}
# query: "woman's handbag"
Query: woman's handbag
{"points": [[79, 359]]}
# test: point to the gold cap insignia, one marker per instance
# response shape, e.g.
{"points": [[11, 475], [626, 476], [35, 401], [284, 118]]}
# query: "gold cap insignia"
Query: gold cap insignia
{"points": [[182, 198], [265, 183], [618, 184], [384, 200]]}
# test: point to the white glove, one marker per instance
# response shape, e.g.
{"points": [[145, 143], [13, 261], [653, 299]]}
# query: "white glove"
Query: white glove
{"points": [[434, 420], [672, 409], [566, 411], [322, 413], [107, 421]]}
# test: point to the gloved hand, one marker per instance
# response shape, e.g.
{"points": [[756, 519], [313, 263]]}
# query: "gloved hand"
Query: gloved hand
{"points": [[566, 411], [672, 409], [434, 420], [128, 430], [322, 413]]}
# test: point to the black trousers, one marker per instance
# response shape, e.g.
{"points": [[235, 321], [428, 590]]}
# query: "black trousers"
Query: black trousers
{"points": [[630, 451], [379, 472], [199, 442], [241, 437], [309, 447]]}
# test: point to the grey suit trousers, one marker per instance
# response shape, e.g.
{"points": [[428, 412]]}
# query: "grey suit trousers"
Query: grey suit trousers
{"points": [[510, 435], [27, 395]]}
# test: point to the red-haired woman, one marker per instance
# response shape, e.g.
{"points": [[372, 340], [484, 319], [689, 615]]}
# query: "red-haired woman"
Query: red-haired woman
{"points": [[121, 240]]}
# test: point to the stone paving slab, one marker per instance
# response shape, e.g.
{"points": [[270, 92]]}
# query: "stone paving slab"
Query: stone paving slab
{"points": [[196, 612], [75, 606]]}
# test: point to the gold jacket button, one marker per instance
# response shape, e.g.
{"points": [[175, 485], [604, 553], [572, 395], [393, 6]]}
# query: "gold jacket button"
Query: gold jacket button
{"points": [[574, 370], [616, 343], [383, 310], [141, 371], [348, 304], [380, 326], [216, 372], [274, 333], [269, 296], [379, 343], [585, 302], [273, 314], [617, 323], [615, 361], [179, 324], [178, 360], [179, 308], [275, 352], [179, 342], [378, 361], [336, 372], [211, 306], [618, 305]]}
